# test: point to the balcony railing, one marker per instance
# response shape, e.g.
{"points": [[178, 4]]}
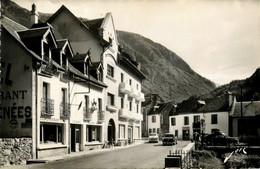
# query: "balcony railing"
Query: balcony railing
{"points": [[101, 116], [124, 88], [64, 110], [47, 107], [87, 114], [196, 125]]}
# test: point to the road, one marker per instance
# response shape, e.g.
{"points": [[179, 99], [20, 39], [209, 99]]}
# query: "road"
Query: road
{"points": [[148, 155]]}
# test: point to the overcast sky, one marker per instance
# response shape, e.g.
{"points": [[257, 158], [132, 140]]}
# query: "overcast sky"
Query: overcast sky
{"points": [[220, 40]]}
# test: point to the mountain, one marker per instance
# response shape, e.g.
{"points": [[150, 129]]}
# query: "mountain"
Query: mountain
{"points": [[167, 74], [250, 88]]}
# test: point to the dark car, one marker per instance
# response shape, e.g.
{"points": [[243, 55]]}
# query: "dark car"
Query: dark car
{"points": [[169, 139], [220, 139]]}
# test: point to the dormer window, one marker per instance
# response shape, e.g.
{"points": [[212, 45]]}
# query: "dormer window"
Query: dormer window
{"points": [[46, 52]]}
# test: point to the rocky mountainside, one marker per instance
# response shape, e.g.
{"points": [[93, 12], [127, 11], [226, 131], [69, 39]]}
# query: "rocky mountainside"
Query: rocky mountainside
{"points": [[250, 88], [167, 74]]}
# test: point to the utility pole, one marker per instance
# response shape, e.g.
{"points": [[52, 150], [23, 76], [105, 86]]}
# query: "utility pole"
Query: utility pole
{"points": [[241, 108]]}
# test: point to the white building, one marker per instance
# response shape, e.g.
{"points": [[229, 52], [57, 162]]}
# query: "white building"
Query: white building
{"points": [[198, 116]]}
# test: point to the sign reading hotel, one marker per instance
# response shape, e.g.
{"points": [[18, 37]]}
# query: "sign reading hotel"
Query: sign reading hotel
{"points": [[15, 99]]}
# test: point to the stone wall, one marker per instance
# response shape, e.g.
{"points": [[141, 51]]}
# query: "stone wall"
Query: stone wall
{"points": [[15, 151]]}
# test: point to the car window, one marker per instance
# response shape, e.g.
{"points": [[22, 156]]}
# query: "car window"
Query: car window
{"points": [[169, 135], [153, 134]]}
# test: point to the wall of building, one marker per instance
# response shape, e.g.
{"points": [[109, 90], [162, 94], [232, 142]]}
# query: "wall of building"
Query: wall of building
{"points": [[16, 89], [222, 124], [154, 126]]}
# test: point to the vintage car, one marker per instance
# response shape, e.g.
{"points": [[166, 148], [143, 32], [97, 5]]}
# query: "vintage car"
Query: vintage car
{"points": [[169, 139], [153, 137], [220, 139]]}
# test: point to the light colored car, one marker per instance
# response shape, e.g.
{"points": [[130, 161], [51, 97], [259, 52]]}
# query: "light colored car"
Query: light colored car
{"points": [[153, 137]]}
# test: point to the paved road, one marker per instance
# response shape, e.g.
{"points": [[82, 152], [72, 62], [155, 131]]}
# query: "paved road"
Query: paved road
{"points": [[148, 155]]}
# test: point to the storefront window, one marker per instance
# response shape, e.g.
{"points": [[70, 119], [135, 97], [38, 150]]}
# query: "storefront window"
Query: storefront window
{"points": [[93, 133], [51, 134], [121, 131]]}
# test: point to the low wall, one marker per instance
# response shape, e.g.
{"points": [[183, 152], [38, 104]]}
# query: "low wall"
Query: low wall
{"points": [[14, 151]]}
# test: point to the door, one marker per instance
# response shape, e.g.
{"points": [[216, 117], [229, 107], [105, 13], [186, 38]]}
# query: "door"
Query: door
{"points": [[130, 134], [186, 134]]}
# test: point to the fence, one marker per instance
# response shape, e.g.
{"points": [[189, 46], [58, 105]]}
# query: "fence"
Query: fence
{"points": [[180, 159]]}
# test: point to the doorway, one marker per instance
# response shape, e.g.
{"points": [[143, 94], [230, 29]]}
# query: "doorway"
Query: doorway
{"points": [[75, 138], [111, 130]]}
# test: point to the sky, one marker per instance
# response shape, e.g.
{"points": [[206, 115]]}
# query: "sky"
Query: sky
{"points": [[220, 40]]}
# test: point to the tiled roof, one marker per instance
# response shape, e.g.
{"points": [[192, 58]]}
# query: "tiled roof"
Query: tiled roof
{"points": [[211, 105], [39, 32], [249, 109], [168, 107], [94, 24]]}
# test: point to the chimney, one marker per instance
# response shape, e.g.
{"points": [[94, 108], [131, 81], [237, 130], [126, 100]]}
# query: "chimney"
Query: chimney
{"points": [[34, 15]]}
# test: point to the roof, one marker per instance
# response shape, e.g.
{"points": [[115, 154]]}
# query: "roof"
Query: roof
{"points": [[81, 75], [193, 104], [37, 32], [249, 109], [64, 8], [94, 24], [164, 108], [12, 27]]}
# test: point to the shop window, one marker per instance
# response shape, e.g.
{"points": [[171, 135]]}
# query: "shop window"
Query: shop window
{"points": [[51, 134], [173, 121], [214, 119], [93, 133], [121, 131], [176, 133], [186, 120], [138, 131], [110, 70], [150, 130], [154, 119]]}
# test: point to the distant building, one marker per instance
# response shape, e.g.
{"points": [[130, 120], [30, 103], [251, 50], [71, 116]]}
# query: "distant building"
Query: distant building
{"points": [[246, 121], [199, 116]]}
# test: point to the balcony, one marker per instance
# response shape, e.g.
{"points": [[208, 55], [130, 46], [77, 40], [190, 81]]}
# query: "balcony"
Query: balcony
{"points": [[87, 114], [124, 88], [139, 116], [140, 97], [111, 108], [123, 113], [196, 125], [133, 93], [101, 116], [64, 110], [47, 107]]}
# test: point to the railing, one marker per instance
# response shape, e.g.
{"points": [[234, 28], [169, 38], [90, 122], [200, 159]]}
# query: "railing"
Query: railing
{"points": [[101, 116], [87, 114], [47, 107], [64, 110], [179, 159]]}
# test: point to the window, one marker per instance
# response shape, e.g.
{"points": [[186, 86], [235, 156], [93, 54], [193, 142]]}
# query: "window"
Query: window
{"points": [[137, 86], [110, 70], [121, 131], [110, 99], [122, 103], [196, 119], [214, 119], [130, 82], [150, 130], [99, 104], [130, 105], [137, 108], [176, 133], [158, 130], [138, 131], [154, 119], [45, 90], [51, 134], [153, 130], [122, 77], [86, 101], [186, 120], [93, 133], [173, 121]]}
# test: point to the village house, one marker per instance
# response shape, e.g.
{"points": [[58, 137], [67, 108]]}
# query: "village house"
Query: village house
{"points": [[245, 121], [122, 75], [198, 116]]}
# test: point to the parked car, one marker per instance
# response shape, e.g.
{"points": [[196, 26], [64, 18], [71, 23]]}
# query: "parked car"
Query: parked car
{"points": [[153, 137], [169, 139], [218, 138]]}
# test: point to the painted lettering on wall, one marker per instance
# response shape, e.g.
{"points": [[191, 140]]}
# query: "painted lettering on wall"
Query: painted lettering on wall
{"points": [[12, 95], [6, 67]]}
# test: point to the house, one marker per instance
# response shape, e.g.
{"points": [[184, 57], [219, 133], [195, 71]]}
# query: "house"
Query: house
{"points": [[49, 91], [151, 100], [245, 122], [121, 74], [158, 118], [201, 116]]}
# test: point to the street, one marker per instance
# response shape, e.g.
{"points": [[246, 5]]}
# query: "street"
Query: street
{"points": [[148, 155]]}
